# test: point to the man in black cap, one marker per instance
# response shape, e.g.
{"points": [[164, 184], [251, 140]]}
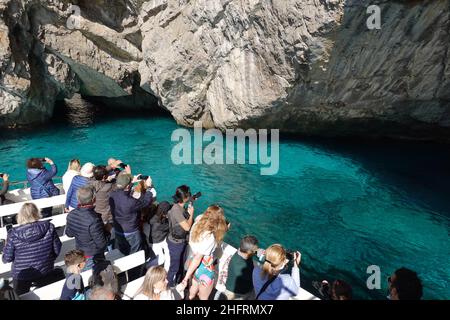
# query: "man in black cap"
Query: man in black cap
{"points": [[126, 212]]}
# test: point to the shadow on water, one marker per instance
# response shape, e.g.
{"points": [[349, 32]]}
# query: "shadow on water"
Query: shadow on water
{"points": [[420, 169]]}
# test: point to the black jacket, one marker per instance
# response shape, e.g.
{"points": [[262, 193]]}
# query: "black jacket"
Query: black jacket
{"points": [[86, 226], [3, 191], [33, 249], [126, 210], [158, 229]]}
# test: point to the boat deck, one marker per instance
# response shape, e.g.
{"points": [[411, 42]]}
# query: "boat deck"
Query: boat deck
{"points": [[16, 198]]}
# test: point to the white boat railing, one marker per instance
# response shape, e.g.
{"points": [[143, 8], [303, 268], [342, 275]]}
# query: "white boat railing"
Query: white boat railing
{"points": [[24, 184], [19, 197]]}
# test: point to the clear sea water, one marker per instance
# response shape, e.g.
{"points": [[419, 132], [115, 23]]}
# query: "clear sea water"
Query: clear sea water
{"points": [[344, 205]]}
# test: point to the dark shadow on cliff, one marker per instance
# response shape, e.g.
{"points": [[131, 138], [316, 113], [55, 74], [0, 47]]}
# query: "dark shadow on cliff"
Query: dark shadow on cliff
{"points": [[86, 111], [374, 83]]}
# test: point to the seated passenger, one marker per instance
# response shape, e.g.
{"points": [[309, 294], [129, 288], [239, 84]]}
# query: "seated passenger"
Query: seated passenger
{"points": [[32, 247], [74, 287], [155, 287]]}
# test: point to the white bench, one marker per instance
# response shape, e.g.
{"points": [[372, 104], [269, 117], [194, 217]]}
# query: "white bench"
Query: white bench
{"points": [[53, 291], [14, 208], [22, 195], [132, 287], [304, 295], [58, 221]]}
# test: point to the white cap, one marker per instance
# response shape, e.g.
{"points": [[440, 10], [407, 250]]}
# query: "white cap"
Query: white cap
{"points": [[87, 170]]}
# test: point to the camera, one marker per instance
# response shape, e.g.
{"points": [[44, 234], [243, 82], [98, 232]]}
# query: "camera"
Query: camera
{"points": [[1, 175], [43, 160], [142, 177], [195, 197], [123, 165], [191, 199], [290, 255]]}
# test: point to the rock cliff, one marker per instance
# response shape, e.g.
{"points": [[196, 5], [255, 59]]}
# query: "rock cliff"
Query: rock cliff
{"points": [[306, 66]]}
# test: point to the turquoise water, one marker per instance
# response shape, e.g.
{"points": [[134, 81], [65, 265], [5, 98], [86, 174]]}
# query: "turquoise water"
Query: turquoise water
{"points": [[345, 206]]}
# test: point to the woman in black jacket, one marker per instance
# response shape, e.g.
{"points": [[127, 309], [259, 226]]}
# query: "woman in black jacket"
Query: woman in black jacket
{"points": [[32, 247], [159, 229]]}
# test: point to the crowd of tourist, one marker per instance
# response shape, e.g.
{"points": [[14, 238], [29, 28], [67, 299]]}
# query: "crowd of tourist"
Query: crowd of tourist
{"points": [[108, 208]]}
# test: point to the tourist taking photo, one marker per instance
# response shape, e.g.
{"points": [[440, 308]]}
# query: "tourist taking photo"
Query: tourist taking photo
{"points": [[41, 181], [5, 187]]}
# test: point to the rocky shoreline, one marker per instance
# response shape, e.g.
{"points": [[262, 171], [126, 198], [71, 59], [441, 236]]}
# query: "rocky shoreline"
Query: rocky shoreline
{"points": [[303, 66]]}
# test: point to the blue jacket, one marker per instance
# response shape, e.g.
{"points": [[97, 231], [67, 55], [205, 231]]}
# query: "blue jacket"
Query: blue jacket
{"points": [[126, 210], [41, 182], [33, 249], [86, 226], [283, 287], [77, 183]]}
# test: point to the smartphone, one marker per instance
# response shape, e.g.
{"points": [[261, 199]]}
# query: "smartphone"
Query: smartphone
{"points": [[142, 177], [123, 165], [43, 160], [1, 175]]}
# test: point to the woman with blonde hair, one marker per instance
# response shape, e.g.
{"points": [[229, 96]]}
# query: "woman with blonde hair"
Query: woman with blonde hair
{"points": [[32, 247], [268, 281], [155, 286], [207, 232], [72, 170]]}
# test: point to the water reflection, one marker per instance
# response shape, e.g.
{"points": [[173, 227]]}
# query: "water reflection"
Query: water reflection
{"points": [[76, 112]]}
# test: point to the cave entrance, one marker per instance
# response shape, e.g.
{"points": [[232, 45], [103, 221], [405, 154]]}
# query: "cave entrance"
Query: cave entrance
{"points": [[82, 111]]}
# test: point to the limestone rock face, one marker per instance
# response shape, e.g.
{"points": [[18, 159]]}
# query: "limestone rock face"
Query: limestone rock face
{"points": [[305, 66], [50, 50]]}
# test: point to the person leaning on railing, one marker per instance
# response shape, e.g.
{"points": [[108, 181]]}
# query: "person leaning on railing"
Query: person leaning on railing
{"points": [[269, 280], [41, 181], [237, 273], [5, 187]]}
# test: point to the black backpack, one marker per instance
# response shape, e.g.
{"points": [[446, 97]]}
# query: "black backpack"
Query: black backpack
{"points": [[6, 291]]}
